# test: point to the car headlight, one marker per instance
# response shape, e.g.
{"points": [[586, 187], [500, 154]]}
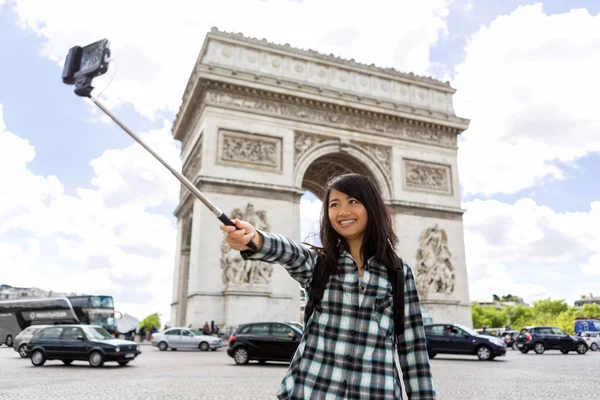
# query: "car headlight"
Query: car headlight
{"points": [[117, 349]]}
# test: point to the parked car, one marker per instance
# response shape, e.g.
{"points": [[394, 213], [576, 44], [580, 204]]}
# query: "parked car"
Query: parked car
{"points": [[459, 339], [183, 338], [21, 340], [70, 343], [264, 341], [592, 339], [542, 338]]}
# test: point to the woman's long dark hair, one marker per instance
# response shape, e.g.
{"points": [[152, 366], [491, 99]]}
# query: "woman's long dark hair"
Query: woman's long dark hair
{"points": [[379, 239]]}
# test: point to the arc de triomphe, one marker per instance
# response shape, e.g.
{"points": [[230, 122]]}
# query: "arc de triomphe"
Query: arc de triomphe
{"points": [[261, 123]]}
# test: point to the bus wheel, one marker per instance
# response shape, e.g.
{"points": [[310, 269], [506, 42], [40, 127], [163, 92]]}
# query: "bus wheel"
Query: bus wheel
{"points": [[38, 358], [9, 341], [96, 359]]}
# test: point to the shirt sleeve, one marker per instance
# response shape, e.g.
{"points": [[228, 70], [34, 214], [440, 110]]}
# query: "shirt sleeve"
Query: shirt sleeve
{"points": [[412, 345], [297, 259]]}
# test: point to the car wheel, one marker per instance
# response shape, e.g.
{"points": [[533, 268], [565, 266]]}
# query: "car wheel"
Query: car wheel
{"points": [[38, 358], [9, 341], [594, 347], [262, 362], [96, 359], [67, 362], [241, 356], [539, 348], [484, 353], [162, 346], [565, 351], [582, 348], [524, 351], [432, 355], [123, 363], [23, 351], [204, 346]]}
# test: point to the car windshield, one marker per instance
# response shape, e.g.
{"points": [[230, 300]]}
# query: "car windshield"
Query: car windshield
{"points": [[95, 332], [468, 330]]}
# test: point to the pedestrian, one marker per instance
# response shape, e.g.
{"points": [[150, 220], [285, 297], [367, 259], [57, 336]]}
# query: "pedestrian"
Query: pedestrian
{"points": [[206, 329], [142, 333], [348, 347]]}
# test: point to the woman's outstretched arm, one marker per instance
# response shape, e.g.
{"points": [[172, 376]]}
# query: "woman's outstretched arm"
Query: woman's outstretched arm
{"points": [[297, 259]]}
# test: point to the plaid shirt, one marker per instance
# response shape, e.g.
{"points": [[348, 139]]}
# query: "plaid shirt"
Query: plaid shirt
{"points": [[347, 351]]}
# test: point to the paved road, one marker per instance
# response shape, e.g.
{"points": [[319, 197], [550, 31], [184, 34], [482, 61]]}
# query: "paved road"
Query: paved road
{"points": [[213, 375]]}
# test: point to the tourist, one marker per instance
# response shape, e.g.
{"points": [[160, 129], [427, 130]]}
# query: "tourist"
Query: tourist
{"points": [[347, 350]]}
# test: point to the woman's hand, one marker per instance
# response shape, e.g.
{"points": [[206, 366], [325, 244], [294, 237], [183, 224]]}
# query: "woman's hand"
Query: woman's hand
{"points": [[238, 239]]}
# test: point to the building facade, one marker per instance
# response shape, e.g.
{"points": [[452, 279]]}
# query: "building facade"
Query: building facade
{"points": [[262, 123]]}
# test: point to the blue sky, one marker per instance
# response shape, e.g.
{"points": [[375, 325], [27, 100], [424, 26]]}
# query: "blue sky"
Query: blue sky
{"points": [[530, 225]]}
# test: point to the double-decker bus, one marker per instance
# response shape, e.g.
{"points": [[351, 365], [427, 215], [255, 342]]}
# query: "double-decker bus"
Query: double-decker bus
{"points": [[18, 314]]}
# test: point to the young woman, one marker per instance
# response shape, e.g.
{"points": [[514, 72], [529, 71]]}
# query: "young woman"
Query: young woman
{"points": [[347, 351]]}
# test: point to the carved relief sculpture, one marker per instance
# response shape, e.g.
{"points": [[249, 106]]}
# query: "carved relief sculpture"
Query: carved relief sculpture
{"points": [[243, 149], [381, 154], [304, 142], [234, 268], [430, 177], [435, 270], [338, 119]]}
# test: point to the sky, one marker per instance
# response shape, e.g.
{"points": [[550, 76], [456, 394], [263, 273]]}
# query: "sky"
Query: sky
{"points": [[84, 209]]}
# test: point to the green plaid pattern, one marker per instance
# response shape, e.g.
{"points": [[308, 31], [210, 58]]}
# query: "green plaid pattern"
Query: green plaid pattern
{"points": [[347, 351]]}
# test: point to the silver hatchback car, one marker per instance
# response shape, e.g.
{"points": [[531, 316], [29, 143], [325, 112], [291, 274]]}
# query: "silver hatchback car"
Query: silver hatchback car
{"points": [[21, 340], [183, 338]]}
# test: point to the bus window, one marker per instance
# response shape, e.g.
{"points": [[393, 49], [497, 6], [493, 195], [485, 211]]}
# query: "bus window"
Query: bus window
{"points": [[101, 301]]}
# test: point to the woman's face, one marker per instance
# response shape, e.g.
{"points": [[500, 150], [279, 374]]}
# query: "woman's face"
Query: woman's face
{"points": [[347, 215]]}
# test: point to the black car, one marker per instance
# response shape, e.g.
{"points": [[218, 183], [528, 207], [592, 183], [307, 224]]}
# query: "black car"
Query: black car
{"points": [[70, 343], [542, 338], [458, 339], [264, 341]]}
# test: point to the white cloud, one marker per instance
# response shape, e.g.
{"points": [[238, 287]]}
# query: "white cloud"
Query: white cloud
{"points": [[527, 85], [593, 265], [530, 250], [156, 47], [104, 240]]}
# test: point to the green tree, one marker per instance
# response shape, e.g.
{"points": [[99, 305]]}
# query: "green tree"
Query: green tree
{"points": [[589, 311], [152, 320], [490, 317], [549, 306]]}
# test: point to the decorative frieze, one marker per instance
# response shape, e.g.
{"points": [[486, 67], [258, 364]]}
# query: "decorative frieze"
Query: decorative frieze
{"points": [[428, 177], [340, 76], [249, 150], [323, 113]]}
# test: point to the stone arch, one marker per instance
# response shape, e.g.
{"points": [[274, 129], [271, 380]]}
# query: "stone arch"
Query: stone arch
{"points": [[323, 160]]}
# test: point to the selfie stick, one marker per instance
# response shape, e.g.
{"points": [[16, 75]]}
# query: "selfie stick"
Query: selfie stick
{"points": [[83, 88]]}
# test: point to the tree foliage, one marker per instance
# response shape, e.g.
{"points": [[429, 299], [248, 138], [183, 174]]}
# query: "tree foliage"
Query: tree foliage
{"points": [[543, 312], [152, 320]]}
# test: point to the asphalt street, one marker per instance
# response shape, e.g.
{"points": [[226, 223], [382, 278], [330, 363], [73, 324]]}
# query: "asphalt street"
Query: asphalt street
{"points": [[213, 375]]}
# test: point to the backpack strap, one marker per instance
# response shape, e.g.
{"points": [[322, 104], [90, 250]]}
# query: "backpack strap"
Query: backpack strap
{"points": [[397, 281], [317, 288]]}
